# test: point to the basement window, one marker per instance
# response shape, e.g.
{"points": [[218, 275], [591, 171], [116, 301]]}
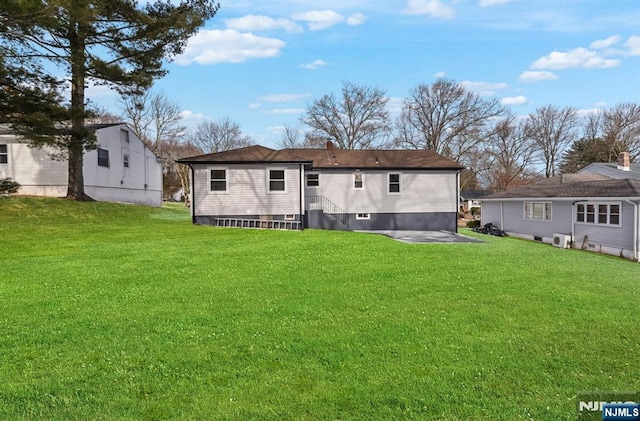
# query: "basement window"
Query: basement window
{"points": [[360, 216], [103, 158]]}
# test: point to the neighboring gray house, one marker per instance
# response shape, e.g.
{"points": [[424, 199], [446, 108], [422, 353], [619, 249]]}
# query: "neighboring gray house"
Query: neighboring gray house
{"points": [[325, 188], [588, 211], [622, 169], [120, 169]]}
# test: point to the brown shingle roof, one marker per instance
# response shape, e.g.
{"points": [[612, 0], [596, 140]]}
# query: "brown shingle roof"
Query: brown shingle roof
{"points": [[332, 158], [573, 185]]}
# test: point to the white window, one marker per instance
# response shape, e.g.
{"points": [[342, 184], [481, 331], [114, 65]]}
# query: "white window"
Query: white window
{"points": [[537, 211], [363, 216], [358, 180], [289, 217], [103, 158], [313, 180], [4, 154], [277, 181], [125, 160], [124, 136], [394, 183], [598, 213], [218, 180]]}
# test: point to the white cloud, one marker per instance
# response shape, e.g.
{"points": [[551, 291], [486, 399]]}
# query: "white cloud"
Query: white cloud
{"points": [[313, 65], [483, 88], [579, 57], [634, 45], [605, 43], [319, 19], [356, 19], [261, 23], [433, 8], [440, 74], [255, 105], [487, 3], [190, 115], [283, 97], [514, 100], [531, 76], [228, 46], [278, 111]]}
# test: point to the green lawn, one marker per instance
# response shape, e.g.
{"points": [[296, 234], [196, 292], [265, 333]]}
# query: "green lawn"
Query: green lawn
{"points": [[128, 312]]}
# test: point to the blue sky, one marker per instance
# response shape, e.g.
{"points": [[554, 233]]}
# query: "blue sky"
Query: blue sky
{"points": [[260, 63]]}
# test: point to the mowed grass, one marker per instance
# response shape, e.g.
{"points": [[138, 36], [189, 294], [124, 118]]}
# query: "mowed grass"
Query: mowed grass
{"points": [[128, 312]]}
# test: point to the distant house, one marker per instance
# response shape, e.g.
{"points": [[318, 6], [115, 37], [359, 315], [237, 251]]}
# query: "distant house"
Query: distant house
{"points": [[120, 169], [325, 188], [621, 169], [590, 211], [471, 199]]}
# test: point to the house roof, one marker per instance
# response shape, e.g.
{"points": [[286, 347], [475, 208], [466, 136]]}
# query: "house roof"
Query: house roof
{"points": [[573, 185], [611, 169], [474, 194], [331, 158]]}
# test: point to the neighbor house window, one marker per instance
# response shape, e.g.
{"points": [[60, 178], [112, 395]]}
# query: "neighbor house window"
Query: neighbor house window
{"points": [[125, 160], [124, 135], [363, 216], [218, 180], [598, 213], [394, 182], [358, 180], [313, 180], [103, 157], [277, 180], [4, 154], [537, 211]]}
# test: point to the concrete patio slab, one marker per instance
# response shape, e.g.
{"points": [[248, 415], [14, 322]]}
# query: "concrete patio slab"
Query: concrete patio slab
{"points": [[425, 236]]}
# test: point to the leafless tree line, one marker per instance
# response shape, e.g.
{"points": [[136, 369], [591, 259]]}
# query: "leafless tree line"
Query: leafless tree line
{"points": [[499, 149]]}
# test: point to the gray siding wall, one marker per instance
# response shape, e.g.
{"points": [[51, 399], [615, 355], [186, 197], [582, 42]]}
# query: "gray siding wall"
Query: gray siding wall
{"points": [[421, 191], [247, 193], [561, 223]]}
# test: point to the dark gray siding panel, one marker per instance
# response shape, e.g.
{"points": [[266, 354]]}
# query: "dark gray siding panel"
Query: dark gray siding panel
{"points": [[432, 221]]}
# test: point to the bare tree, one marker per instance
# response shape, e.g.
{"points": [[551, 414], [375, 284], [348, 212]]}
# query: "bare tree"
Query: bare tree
{"points": [[178, 174], [510, 153], [621, 126], [446, 118], [292, 137], [357, 120], [552, 130], [219, 135], [154, 118]]}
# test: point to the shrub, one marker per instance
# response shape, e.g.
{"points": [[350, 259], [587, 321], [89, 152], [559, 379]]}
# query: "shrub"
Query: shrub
{"points": [[475, 210], [8, 186], [473, 224]]}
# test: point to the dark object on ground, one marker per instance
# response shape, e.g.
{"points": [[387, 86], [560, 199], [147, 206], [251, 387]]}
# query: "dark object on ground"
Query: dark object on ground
{"points": [[8, 186], [491, 230], [473, 224]]}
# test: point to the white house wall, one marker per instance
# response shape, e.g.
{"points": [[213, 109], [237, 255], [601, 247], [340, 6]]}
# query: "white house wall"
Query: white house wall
{"points": [[247, 192], [420, 191], [40, 175]]}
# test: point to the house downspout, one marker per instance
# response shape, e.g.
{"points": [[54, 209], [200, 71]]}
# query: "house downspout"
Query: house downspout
{"points": [[636, 221], [300, 166], [192, 197], [457, 204], [502, 215]]}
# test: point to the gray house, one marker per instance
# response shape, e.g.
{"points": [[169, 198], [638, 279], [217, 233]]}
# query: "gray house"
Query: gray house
{"points": [[588, 211], [325, 188]]}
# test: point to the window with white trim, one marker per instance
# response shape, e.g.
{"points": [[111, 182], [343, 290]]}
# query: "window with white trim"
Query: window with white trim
{"points": [[313, 180], [363, 216], [125, 160], [103, 158], [358, 180], [124, 136], [538, 211], [277, 181], [598, 213], [394, 183], [218, 180], [4, 154]]}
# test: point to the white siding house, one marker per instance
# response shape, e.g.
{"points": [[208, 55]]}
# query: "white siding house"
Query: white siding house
{"points": [[120, 169], [326, 188]]}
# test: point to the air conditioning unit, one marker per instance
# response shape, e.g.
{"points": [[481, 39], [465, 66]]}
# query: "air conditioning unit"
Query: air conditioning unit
{"points": [[562, 241]]}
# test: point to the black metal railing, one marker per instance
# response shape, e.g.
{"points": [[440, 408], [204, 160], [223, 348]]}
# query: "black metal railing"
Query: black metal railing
{"points": [[328, 207]]}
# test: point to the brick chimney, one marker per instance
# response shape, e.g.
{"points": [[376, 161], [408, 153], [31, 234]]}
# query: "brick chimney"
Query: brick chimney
{"points": [[623, 161], [330, 145]]}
